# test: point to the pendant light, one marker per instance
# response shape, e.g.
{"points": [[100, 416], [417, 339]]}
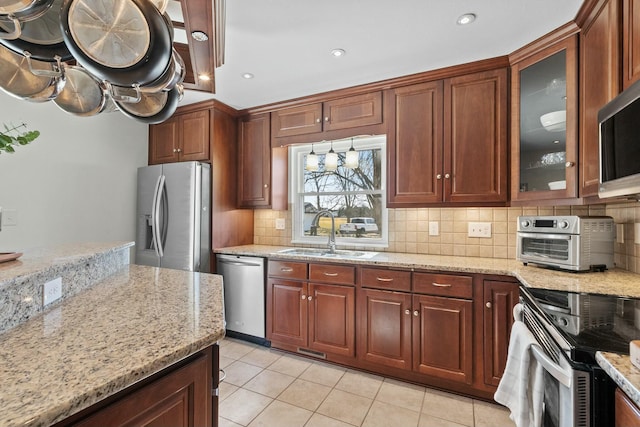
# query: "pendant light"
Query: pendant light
{"points": [[351, 161], [312, 161], [331, 160]]}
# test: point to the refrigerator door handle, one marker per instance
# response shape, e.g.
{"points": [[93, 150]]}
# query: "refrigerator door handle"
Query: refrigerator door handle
{"points": [[155, 216]]}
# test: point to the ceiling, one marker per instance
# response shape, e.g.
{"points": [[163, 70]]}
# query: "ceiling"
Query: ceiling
{"points": [[286, 44]]}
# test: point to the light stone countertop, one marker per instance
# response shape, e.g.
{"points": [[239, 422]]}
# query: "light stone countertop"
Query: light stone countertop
{"points": [[612, 282], [128, 326], [623, 373]]}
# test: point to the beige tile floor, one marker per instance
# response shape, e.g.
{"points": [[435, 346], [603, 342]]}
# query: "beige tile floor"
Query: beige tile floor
{"points": [[269, 388]]}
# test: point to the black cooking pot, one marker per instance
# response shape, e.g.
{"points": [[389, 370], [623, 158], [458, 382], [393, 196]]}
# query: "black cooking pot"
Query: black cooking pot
{"points": [[125, 42], [42, 37]]}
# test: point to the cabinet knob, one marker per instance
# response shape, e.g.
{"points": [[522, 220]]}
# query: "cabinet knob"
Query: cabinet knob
{"points": [[488, 304], [326, 119], [179, 150], [446, 175], [303, 296], [175, 150], [309, 297], [407, 311], [266, 186], [416, 313], [569, 164], [318, 120], [439, 176]]}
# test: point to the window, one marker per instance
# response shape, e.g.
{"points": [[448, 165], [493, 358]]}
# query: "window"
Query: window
{"points": [[355, 196]]}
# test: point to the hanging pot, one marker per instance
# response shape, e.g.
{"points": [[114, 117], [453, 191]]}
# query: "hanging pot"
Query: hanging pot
{"points": [[152, 108], [15, 12], [28, 79], [122, 41], [42, 37], [173, 75], [83, 95]]}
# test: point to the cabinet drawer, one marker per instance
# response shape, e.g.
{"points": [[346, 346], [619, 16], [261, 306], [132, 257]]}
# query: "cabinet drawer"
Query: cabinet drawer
{"points": [[288, 269], [448, 285], [380, 278], [331, 273]]}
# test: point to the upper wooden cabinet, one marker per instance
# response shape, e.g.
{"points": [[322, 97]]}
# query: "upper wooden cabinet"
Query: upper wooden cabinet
{"points": [[447, 141], [599, 82], [183, 137], [343, 113], [544, 120], [630, 42], [254, 161]]}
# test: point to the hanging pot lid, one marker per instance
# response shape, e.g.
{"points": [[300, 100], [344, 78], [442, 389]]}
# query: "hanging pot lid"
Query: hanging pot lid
{"points": [[18, 78], [42, 37], [24, 9], [122, 41], [82, 95], [153, 108], [161, 5]]}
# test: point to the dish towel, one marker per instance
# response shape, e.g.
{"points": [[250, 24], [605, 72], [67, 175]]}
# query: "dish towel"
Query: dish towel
{"points": [[521, 388]]}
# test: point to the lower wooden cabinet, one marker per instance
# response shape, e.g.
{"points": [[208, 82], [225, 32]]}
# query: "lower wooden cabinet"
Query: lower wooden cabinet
{"points": [[319, 317], [180, 397], [627, 412]]}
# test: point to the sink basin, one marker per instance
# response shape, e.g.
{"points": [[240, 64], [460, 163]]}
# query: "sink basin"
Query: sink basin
{"points": [[324, 253]]}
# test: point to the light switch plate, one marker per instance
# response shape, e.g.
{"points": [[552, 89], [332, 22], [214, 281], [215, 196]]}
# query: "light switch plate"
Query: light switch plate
{"points": [[280, 224], [434, 228], [9, 217], [636, 233], [479, 229], [52, 291], [619, 233]]}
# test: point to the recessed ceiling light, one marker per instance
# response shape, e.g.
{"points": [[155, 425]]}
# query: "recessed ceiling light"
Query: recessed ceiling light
{"points": [[247, 75], [200, 36], [338, 52], [204, 77], [467, 18]]}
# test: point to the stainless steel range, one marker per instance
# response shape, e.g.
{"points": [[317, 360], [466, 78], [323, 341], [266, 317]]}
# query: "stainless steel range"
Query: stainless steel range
{"points": [[571, 242]]}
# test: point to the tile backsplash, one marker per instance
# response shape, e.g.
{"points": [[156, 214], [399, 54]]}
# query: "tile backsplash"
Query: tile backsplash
{"points": [[409, 230]]}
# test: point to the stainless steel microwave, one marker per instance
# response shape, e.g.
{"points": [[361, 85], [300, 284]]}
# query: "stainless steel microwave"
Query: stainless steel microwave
{"points": [[619, 142], [572, 242]]}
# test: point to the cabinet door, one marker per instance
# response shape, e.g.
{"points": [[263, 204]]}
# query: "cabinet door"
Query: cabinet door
{"points": [[287, 312], [195, 139], [499, 300], [543, 157], [414, 144], [181, 398], [354, 111], [627, 413], [254, 161], [475, 137], [384, 328], [443, 337], [297, 120], [599, 83], [332, 319], [630, 42], [164, 141]]}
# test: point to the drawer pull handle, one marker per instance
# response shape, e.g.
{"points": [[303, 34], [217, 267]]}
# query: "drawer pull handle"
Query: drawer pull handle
{"points": [[384, 279], [441, 285], [286, 269], [330, 274]]}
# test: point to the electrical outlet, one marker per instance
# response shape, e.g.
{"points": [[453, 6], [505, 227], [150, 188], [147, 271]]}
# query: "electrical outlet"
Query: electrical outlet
{"points": [[479, 229], [280, 224], [52, 291], [619, 233], [636, 233], [434, 228]]}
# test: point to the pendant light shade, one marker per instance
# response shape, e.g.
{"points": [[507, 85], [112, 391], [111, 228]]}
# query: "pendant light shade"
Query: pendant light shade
{"points": [[312, 161], [352, 158], [331, 160]]}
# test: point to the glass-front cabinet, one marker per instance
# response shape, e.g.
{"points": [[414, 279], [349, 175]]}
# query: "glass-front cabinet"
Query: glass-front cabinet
{"points": [[544, 123]]}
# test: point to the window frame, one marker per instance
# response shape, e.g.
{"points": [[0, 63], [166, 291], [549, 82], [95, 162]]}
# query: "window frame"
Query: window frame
{"points": [[296, 190]]}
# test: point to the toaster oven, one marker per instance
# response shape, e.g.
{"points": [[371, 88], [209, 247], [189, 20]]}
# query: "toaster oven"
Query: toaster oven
{"points": [[571, 242]]}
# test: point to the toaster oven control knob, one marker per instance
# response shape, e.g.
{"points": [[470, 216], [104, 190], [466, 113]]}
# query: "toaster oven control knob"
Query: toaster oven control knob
{"points": [[525, 223], [564, 224], [564, 321]]}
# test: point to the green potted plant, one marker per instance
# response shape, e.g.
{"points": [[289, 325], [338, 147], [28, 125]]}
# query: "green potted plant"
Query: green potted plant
{"points": [[15, 135]]}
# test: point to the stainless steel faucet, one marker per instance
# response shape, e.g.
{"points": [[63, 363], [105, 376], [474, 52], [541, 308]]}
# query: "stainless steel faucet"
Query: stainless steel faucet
{"points": [[332, 236]]}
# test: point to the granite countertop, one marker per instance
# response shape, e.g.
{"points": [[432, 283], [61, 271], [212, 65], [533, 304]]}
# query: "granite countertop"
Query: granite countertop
{"points": [[611, 282], [623, 373], [128, 326]]}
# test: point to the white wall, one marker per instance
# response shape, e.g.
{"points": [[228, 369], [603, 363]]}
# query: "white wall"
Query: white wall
{"points": [[76, 182]]}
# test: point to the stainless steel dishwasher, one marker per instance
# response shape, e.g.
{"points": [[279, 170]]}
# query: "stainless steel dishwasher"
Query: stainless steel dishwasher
{"points": [[244, 300]]}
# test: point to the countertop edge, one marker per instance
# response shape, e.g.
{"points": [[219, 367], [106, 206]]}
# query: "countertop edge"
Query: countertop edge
{"points": [[622, 372]]}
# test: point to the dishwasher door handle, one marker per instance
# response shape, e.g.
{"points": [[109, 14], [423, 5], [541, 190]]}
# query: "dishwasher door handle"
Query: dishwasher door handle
{"points": [[241, 263]]}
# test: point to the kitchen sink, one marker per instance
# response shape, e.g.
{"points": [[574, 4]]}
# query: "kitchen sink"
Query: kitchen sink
{"points": [[324, 253]]}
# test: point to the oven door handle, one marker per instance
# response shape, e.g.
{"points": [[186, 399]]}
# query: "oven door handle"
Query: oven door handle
{"points": [[564, 377], [545, 236]]}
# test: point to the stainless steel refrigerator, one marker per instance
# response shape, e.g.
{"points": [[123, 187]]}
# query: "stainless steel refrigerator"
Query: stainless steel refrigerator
{"points": [[173, 216]]}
